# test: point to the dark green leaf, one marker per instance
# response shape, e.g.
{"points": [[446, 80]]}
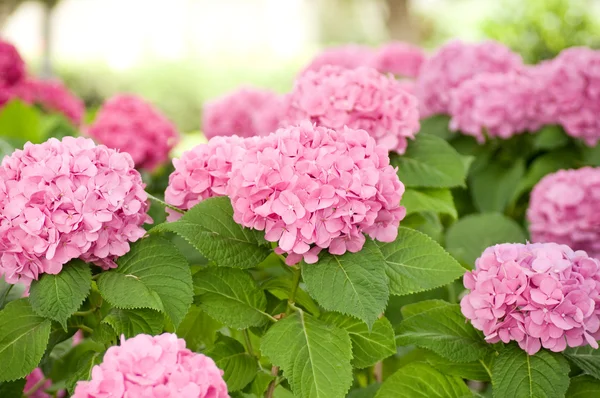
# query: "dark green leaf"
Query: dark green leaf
{"points": [[475, 370], [493, 186], [12, 388], [134, 322], [584, 386], [231, 357], [587, 358], [198, 329], [281, 287], [83, 371]]}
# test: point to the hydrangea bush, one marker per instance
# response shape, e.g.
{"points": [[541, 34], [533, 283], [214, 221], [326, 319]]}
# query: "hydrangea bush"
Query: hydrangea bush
{"points": [[328, 242]]}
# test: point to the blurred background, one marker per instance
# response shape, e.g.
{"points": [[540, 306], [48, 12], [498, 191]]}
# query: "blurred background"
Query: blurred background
{"points": [[179, 53]]}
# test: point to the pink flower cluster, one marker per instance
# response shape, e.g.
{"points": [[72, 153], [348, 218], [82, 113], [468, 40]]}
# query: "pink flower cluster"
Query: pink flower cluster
{"points": [[311, 188], [564, 209], [494, 105], [12, 67], [398, 58], [360, 98], [132, 125], [202, 173], [246, 112], [454, 63], [539, 295], [65, 200], [153, 367], [32, 380]]}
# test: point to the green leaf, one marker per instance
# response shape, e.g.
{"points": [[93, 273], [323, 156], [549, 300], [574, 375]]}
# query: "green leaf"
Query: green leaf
{"points": [[367, 392], [419, 380], [494, 185], [517, 374], [587, 358], [475, 370], [21, 121], [416, 263], [83, 371], [368, 347], [434, 200], [544, 165], [231, 296], [281, 287], [353, 283], [198, 329], [152, 275], [430, 162], [260, 384], [9, 292], [419, 307], [315, 357], [134, 322], [231, 357], [57, 297], [23, 339], [443, 330], [210, 228], [550, 137], [471, 235], [437, 125], [12, 388], [584, 386]]}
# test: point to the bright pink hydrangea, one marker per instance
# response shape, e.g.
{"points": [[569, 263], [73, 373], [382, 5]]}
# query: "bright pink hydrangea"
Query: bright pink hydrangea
{"points": [[67, 199], [539, 295], [311, 188], [349, 56], [246, 112], [12, 67], [202, 173], [400, 59], [132, 125], [564, 208], [456, 62], [494, 105], [54, 96], [360, 98], [31, 382], [153, 367]]}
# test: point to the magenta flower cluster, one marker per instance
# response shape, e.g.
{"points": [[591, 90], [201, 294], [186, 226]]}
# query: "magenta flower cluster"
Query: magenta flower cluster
{"points": [[564, 208], [67, 199], [153, 367], [538, 294], [360, 98], [132, 125], [31, 382], [246, 112], [12, 67]]}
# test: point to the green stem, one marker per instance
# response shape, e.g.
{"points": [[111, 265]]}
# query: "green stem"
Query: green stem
{"points": [[295, 284], [85, 313], [165, 204], [35, 387], [451, 292], [85, 328], [486, 368], [248, 342], [95, 277]]}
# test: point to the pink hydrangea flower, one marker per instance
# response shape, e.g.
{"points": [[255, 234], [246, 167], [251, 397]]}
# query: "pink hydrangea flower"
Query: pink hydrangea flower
{"points": [[130, 124], [360, 98], [349, 56], [67, 199], [564, 208], [539, 295], [398, 58], [202, 173], [494, 105], [12, 67], [246, 112], [456, 62], [153, 367], [32, 380], [311, 188]]}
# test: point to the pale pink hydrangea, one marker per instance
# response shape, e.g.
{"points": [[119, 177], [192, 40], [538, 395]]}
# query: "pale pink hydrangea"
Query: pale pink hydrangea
{"points": [[564, 208], [494, 105], [153, 367], [67, 199], [12, 67], [398, 58], [130, 124], [311, 188], [538, 294], [456, 62], [246, 112], [360, 98], [349, 56]]}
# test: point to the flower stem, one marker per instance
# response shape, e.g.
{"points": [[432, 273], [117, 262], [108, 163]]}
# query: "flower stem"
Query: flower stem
{"points": [[85, 328], [248, 342], [35, 387], [84, 313], [272, 384], [165, 204], [295, 284]]}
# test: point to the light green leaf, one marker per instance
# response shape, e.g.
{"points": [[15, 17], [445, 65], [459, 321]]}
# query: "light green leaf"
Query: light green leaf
{"points": [[494, 185], [134, 322], [21, 121], [198, 329], [437, 125], [231, 296], [418, 307], [231, 357], [471, 235], [281, 287], [443, 329], [353, 283], [434, 200], [431, 162], [261, 383], [416, 263], [584, 386], [23, 339], [83, 371], [210, 228], [152, 275], [475, 370], [517, 374], [587, 358], [315, 357], [550, 137], [57, 297], [419, 380], [368, 347]]}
